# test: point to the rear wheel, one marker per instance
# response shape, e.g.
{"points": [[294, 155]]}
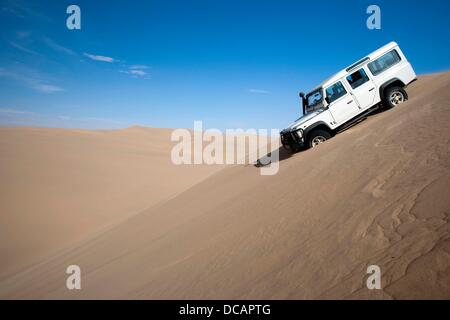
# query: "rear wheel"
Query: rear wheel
{"points": [[317, 137], [394, 96]]}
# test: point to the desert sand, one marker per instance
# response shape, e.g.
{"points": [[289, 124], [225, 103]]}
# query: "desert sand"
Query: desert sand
{"points": [[60, 186], [141, 228]]}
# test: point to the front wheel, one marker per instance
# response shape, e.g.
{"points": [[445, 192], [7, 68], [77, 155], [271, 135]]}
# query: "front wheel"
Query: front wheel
{"points": [[317, 137], [394, 96]]}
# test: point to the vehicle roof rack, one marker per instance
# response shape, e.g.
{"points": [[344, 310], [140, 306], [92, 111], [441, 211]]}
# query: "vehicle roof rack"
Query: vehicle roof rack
{"points": [[353, 66]]}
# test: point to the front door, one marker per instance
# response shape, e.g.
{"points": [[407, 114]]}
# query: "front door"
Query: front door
{"points": [[363, 88], [341, 104]]}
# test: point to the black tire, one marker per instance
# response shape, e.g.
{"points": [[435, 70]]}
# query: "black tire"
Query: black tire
{"points": [[318, 136], [394, 96]]}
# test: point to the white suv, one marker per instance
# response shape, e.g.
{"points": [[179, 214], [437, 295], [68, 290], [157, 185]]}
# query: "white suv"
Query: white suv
{"points": [[377, 80]]}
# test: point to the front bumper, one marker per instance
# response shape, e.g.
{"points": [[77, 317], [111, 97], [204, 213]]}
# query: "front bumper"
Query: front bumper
{"points": [[291, 140]]}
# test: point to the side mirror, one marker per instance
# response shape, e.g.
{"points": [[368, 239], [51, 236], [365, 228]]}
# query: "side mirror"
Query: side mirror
{"points": [[327, 103], [302, 95]]}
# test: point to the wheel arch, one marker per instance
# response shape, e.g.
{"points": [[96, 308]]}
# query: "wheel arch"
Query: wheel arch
{"points": [[395, 82], [318, 126]]}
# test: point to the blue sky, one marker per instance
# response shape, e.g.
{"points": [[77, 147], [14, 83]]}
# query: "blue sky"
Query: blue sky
{"points": [[233, 63]]}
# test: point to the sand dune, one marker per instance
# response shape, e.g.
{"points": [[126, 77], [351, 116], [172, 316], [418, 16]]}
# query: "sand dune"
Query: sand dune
{"points": [[59, 186], [375, 194]]}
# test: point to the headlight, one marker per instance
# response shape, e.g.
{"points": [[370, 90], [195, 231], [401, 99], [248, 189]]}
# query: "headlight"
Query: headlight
{"points": [[300, 133]]}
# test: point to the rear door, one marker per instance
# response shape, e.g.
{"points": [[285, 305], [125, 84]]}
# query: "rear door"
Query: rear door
{"points": [[342, 105], [364, 89]]}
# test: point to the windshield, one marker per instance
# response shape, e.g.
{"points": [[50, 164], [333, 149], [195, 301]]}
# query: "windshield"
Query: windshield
{"points": [[314, 101]]}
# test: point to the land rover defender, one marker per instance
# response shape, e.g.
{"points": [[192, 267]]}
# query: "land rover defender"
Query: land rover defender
{"points": [[378, 80]]}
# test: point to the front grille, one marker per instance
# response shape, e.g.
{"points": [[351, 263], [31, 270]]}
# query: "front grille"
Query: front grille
{"points": [[288, 138]]}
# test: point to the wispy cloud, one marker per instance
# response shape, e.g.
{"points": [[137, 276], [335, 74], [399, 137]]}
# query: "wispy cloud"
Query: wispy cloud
{"points": [[138, 67], [22, 9], [57, 47], [99, 58], [31, 79], [11, 10], [137, 71], [14, 111], [12, 117], [259, 91], [46, 88], [22, 48]]}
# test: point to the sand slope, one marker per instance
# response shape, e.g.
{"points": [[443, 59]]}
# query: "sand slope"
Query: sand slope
{"points": [[59, 186], [375, 194]]}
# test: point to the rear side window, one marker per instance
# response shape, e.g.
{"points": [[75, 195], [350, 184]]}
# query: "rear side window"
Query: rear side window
{"points": [[357, 78], [335, 91], [384, 62]]}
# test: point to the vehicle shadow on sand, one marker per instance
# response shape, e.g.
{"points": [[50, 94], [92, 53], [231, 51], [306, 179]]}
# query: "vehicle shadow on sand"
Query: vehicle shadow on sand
{"points": [[285, 154]]}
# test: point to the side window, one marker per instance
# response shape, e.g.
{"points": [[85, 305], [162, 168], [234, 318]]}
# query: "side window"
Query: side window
{"points": [[384, 62], [315, 98], [335, 91], [357, 78]]}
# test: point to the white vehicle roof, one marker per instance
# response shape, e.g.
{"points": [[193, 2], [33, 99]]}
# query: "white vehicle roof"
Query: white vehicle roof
{"points": [[372, 56]]}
